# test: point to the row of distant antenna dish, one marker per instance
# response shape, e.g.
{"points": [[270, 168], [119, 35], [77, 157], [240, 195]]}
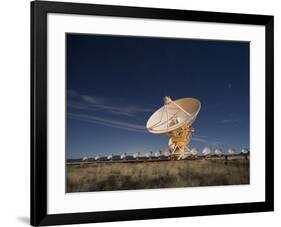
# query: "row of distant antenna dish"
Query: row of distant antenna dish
{"points": [[124, 156], [207, 151], [218, 151]]}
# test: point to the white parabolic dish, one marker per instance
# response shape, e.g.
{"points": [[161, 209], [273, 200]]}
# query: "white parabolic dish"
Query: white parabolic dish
{"points": [[173, 115]]}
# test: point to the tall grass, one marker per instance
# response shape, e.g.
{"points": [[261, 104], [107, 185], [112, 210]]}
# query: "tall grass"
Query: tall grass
{"points": [[148, 175]]}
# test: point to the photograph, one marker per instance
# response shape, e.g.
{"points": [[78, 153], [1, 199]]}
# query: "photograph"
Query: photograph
{"points": [[156, 112], [149, 112]]}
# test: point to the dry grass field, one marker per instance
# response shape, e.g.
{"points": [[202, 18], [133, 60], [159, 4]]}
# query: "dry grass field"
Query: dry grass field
{"points": [[86, 177]]}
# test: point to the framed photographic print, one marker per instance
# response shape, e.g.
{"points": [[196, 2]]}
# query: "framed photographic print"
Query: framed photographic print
{"points": [[144, 113]]}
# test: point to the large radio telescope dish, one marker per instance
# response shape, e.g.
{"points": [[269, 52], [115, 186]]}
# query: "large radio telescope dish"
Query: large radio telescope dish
{"points": [[173, 115], [174, 119]]}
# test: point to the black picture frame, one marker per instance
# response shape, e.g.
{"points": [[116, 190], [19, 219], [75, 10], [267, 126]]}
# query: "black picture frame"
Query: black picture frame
{"points": [[39, 11]]}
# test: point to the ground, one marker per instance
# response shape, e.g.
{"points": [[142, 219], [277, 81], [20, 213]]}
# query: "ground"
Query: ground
{"points": [[108, 176]]}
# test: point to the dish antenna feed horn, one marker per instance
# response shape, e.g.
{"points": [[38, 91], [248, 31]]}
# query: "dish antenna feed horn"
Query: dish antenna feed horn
{"points": [[174, 120]]}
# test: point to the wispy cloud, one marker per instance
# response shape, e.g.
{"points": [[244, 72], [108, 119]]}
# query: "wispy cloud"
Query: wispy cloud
{"points": [[206, 140], [84, 102], [227, 121], [198, 139], [108, 122], [78, 101], [217, 143], [230, 119], [134, 127]]}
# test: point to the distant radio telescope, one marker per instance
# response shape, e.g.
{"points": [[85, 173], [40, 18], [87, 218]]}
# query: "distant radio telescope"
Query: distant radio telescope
{"points": [[85, 158], [136, 155], [166, 152], [97, 157], [109, 157], [231, 151], [148, 154], [207, 151], [194, 151], [123, 156], [157, 154], [218, 152], [245, 151], [174, 120]]}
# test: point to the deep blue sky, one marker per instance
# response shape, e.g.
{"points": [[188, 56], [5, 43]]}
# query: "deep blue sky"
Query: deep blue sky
{"points": [[114, 83]]}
